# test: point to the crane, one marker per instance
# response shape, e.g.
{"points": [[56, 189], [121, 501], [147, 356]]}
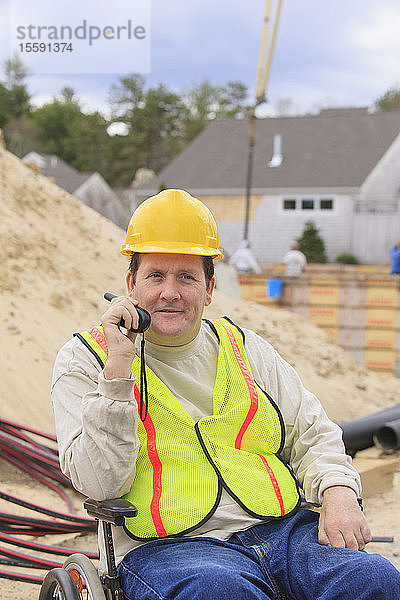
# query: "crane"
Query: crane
{"points": [[265, 55]]}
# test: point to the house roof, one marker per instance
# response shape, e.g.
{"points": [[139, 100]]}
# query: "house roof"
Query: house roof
{"points": [[64, 175], [337, 148]]}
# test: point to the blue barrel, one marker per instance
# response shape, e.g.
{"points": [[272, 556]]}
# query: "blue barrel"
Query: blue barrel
{"points": [[274, 288]]}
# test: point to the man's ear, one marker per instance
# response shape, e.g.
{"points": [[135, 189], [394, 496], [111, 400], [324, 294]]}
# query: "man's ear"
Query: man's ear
{"points": [[129, 282], [210, 291]]}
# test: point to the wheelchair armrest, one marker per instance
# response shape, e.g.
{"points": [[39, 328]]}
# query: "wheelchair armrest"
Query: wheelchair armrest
{"points": [[112, 511]]}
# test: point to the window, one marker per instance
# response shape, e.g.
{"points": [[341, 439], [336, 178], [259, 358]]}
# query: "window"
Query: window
{"points": [[307, 204], [319, 204], [289, 204], [326, 204]]}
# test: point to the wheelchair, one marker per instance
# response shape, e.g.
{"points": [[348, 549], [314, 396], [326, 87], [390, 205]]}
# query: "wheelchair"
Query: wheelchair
{"points": [[78, 579]]}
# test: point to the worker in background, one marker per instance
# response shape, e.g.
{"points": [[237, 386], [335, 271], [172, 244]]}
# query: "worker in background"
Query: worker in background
{"points": [[226, 278], [243, 259], [395, 259], [215, 454], [295, 261]]}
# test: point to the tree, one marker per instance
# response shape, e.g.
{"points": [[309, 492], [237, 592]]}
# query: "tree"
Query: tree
{"points": [[68, 96], [21, 135], [19, 96], [155, 119], [78, 138], [159, 123], [86, 144], [5, 105], [16, 71], [390, 100], [126, 96], [312, 244], [206, 102], [14, 96], [15, 105], [56, 121]]}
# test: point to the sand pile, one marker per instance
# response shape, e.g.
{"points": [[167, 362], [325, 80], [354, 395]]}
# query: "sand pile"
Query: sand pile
{"points": [[57, 257]]}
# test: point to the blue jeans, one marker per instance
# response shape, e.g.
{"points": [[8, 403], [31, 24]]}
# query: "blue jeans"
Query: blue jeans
{"points": [[279, 560]]}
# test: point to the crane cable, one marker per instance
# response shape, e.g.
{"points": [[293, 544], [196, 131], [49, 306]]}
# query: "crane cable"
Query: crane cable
{"points": [[263, 72]]}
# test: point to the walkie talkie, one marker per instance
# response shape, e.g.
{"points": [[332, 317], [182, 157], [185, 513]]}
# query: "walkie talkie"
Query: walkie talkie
{"points": [[144, 316]]}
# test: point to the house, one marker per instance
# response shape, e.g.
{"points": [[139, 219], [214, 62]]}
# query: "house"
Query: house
{"points": [[89, 188], [340, 169]]}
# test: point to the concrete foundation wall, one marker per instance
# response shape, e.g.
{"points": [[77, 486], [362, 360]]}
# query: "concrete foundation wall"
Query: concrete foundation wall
{"points": [[359, 312]]}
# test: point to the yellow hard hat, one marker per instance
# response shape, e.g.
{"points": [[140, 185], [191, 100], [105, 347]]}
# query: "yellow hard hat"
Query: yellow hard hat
{"points": [[172, 222]]}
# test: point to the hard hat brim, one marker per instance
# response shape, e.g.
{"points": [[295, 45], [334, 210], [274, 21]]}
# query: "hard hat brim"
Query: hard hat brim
{"points": [[171, 248]]}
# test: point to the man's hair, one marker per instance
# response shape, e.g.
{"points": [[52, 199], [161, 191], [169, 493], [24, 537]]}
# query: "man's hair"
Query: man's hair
{"points": [[208, 266]]}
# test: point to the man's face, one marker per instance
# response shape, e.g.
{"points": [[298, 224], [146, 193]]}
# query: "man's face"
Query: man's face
{"points": [[172, 288]]}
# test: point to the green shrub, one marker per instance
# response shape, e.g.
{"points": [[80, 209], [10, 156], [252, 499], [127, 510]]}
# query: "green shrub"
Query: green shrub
{"points": [[312, 244], [347, 259]]}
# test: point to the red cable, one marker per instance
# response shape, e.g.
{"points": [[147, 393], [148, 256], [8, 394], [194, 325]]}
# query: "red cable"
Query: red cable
{"points": [[58, 550], [32, 453], [20, 577], [34, 562], [47, 483], [17, 433], [40, 462], [48, 436], [34, 466], [42, 509]]}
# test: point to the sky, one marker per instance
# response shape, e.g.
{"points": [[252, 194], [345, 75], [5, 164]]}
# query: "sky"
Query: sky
{"points": [[327, 54]]}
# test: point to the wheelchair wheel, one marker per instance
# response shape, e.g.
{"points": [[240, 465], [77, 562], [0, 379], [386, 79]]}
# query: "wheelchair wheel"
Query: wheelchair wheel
{"points": [[85, 577], [58, 585]]}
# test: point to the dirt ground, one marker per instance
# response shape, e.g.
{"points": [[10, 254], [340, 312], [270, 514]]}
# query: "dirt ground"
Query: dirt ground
{"points": [[57, 258], [381, 511]]}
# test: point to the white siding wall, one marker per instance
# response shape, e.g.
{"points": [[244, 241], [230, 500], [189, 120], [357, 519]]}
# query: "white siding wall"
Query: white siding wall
{"points": [[230, 236], [381, 190], [274, 229], [375, 235]]}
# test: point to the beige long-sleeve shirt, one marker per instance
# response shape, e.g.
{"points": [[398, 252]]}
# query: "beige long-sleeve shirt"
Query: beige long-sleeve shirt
{"points": [[96, 423]]}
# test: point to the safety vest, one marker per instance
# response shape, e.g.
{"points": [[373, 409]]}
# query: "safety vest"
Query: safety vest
{"points": [[183, 465]]}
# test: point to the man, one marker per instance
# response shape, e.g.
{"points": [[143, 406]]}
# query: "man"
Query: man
{"points": [[395, 260], [214, 453], [295, 261], [244, 260]]}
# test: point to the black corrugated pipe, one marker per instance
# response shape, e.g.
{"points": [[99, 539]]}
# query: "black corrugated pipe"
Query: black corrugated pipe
{"points": [[388, 436], [359, 434]]}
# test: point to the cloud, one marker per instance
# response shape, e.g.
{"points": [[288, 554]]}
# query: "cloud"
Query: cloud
{"points": [[379, 32], [347, 52], [339, 52]]}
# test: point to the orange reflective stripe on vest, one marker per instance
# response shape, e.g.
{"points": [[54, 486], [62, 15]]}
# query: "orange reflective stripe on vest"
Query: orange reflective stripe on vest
{"points": [[98, 335], [250, 384], [252, 411], [157, 469], [274, 483]]}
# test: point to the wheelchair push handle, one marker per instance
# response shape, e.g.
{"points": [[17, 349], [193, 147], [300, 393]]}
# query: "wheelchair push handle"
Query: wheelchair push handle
{"points": [[144, 316], [112, 511]]}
